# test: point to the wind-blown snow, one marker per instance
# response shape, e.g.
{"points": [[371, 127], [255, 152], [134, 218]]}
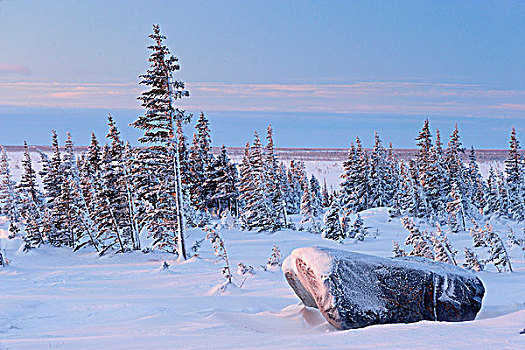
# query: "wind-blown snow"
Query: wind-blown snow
{"points": [[54, 298]]}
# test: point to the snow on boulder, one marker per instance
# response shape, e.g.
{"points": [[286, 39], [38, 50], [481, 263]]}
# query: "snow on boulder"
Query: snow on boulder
{"points": [[355, 290]]}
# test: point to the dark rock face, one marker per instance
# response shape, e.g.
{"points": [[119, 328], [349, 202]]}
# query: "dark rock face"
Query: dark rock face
{"points": [[354, 290]]}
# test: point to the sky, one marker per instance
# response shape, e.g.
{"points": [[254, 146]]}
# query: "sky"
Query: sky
{"points": [[321, 72]]}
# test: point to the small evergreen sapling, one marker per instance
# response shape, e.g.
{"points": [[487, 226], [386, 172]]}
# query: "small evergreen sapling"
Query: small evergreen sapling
{"points": [[357, 230], [243, 269], [397, 250], [478, 235], [471, 261], [443, 248], [332, 223], [418, 240], [275, 258], [498, 254], [513, 240], [220, 251]]}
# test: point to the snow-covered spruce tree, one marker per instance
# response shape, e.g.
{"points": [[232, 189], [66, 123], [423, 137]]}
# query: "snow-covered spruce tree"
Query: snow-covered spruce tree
{"points": [[503, 195], [317, 199], [332, 223], [456, 172], [275, 258], [9, 199], [443, 250], [424, 142], [355, 187], [256, 206], [184, 156], [498, 254], [381, 182], [478, 235], [394, 175], [33, 221], [200, 160], [219, 248], [476, 186], [222, 182], [430, 177], [245, 185], [48, 219], [471, 260], [115, 190], [397, 250], [406, 195], [51, 173], [456, 210], [345, 192], [515, 241], [307, 211], [274, 182], [89, 171], [84, 228], [157, 175], [28, 182], [31, 203], [514, 180], [70, 216], [491, 194], [325, 195], [418, 240], [262, 205], [357, 229], [296, 186]]}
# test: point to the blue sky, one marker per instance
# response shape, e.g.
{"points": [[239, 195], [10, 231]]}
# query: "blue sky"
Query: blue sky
{"points": [[321, 72]]}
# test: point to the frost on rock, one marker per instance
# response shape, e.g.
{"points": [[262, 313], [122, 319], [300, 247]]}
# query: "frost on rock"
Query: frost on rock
{"points": [[355, 290]]}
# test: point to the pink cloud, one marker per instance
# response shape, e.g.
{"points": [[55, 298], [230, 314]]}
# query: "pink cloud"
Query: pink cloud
{"points": [[358, 97], [6, 69]]}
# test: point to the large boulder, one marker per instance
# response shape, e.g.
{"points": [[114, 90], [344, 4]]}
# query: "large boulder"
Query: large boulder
{"points": [[355, 290]]}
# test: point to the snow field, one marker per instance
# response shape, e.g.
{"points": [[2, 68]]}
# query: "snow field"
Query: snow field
{"points": [[54, 298]]}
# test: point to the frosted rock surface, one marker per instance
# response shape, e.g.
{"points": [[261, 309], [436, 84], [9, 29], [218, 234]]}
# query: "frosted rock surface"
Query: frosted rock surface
{"points": [[355, 290]]}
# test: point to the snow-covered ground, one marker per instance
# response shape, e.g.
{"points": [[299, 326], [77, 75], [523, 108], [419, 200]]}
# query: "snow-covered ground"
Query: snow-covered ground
{"points": [[54, 298]]}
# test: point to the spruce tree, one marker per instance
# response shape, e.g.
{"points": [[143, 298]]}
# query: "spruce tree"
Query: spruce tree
{"points": [[325, 195], [498, 254], [332, 223], [9, 199], [381, 184], [456, 210], [317, 199], [355, 187], [307, 211], [116, 189], [51, 173], [443, 250], [491, 193], [397, 250], [157, 176], [515, 188], [476, 185], [222, 179], [201, 160], [357, 229], [256, 204], [28, 182], [275, 193], [418, 240], [471, 261]]}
